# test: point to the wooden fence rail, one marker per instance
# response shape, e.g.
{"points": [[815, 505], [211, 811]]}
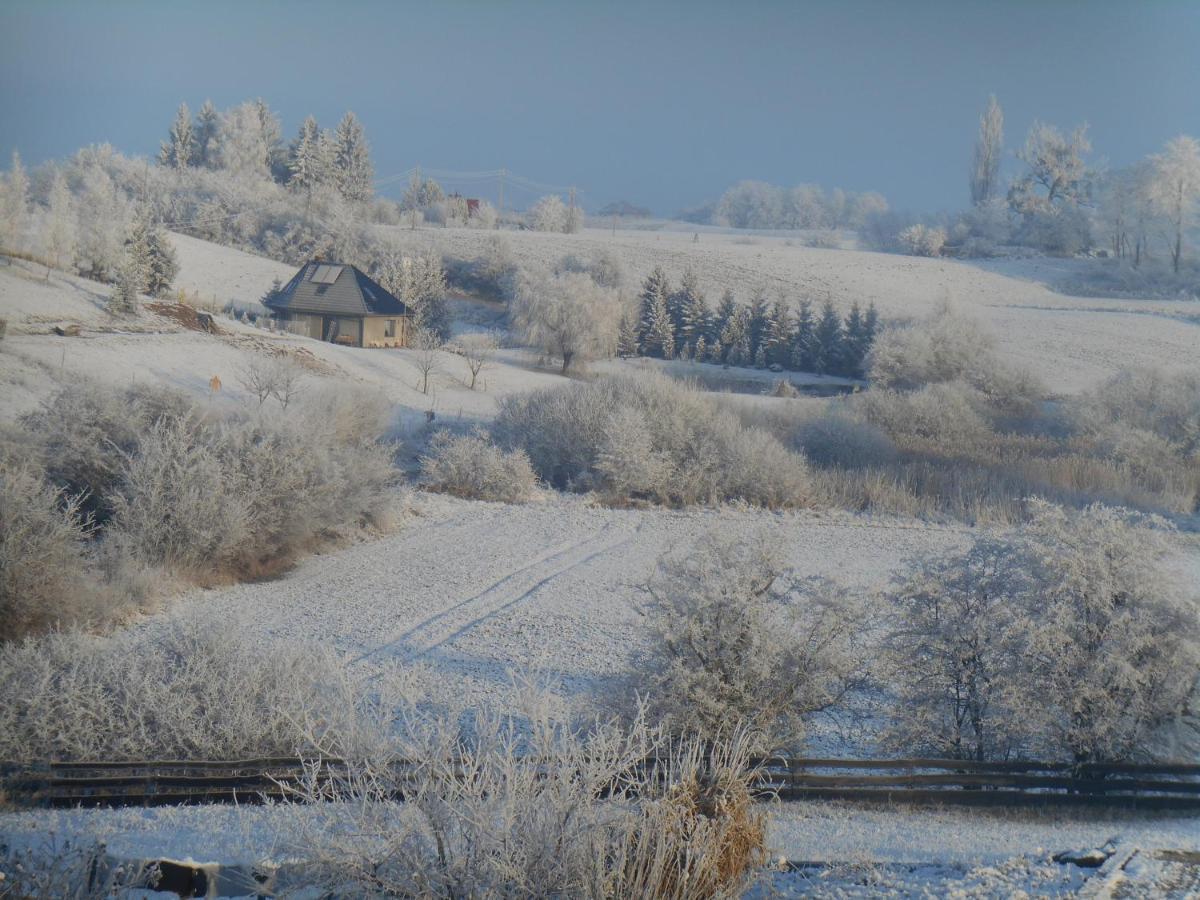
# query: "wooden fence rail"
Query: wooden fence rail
{"points": [[1125, 785]]}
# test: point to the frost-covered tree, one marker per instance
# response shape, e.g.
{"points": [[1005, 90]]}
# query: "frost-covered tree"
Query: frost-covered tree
{"points": [[205, 135], [827, 340], [954, 652], [989, 150], [306, 163], [690, 313], [655, 334], [1175, 190], [272, 133], [759, 321], [726, 309], [740, 642], [151, 245], [1055, 185], [548, 214], [242, 145], [102, 224], [176, 151], [60, 235], [427, 345], [1126, 210], [422, 192], [573, 220], [420, 282], [1112, 636], [803, 353], [627, 335], [478, 350], [14, 206], [735, 338], [352, 160], [130, 275], [566, 315], [777, 343]]}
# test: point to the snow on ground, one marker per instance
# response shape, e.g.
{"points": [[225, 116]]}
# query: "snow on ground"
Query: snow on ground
{"points": [[1070, 342], [221, 275], [475, 591]]}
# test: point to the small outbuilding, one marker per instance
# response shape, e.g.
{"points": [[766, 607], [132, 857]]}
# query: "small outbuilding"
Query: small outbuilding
{"points": [[339, 303]]}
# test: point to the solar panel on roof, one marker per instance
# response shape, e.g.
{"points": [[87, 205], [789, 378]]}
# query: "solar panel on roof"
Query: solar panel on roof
{"points": [[325, 274]]}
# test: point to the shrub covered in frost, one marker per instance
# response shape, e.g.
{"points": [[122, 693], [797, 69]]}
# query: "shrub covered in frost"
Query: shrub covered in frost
{"points": [[649, 437], [472, 466]]}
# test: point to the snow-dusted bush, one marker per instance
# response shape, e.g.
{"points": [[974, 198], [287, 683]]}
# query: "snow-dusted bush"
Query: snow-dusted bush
{"points": [[217, 498], [840, 438], [740, 643], [83, 433], [548, 214], [548, 809], [650, 437], [922, 240], [947, 346], [472, 466], [46, 577], [202, 688], [948, 413], [1165, 404], [1070, 637]]}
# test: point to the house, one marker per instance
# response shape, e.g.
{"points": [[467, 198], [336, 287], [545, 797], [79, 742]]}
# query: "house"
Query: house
{"points": [[339, 303]]}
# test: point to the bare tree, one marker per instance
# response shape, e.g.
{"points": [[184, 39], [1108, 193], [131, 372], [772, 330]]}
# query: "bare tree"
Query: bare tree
{"points": [[278, 377], [1175, 189], [478, 350], [427, 344], [989, 148]]}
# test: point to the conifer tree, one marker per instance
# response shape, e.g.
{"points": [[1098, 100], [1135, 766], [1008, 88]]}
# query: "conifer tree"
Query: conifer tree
{"points": [[736, 339], [803, 339], [778, 343], [178, 148], [827, 340], [352, 160], [854, 342], [760, 358], [306, 165], [701, 354], [726, 310], [759, 322], [655, 322], [695, 314], [272, 135], [627, 336], [124, 298], [208, 126]]}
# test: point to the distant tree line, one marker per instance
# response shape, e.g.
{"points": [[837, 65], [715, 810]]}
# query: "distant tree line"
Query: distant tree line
{"points": [[247, 140], [756, 204], [680, 324]]}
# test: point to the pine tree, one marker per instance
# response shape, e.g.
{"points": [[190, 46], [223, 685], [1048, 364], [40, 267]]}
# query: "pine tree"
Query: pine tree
{"points": [[736, 339], [827, 342], [14, 206], [163, 263], [854, 342], [726, 310], [305, 163], [701, 354], [803, 339], [760, 321], [272, 135], [124, 298], [871, 323], [352, 160], [760, 358], [178, 148], [655, 322], [686, 352], [694, 314], [778, 344], [272, 292], [208, 126], [627, 336]]}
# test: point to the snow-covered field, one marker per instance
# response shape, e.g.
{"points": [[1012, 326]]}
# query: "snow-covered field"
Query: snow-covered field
{"points": [[1070, 342], [472, 592]]}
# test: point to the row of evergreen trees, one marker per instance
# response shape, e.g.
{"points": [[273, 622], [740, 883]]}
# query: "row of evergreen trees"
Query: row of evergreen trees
{"points": [[247, 138], [680, 324]]}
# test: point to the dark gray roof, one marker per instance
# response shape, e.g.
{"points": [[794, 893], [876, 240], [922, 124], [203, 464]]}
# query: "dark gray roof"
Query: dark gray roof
{"points": [[334, 289]]}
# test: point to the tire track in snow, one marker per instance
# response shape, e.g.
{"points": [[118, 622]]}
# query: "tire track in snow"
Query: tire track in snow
{"points": [[503, 593]]}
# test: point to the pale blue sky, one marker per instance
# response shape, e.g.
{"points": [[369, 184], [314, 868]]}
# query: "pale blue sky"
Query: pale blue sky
{"points": [[664, 104]]}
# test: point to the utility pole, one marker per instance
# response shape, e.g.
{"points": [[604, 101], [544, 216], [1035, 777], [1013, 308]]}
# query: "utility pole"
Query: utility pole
{"points": [[500, 214]]}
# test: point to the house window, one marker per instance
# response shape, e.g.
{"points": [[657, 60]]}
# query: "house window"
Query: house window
{"points": [[389, 328]]}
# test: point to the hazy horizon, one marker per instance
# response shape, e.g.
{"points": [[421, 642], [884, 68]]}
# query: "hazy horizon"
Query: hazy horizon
{"points": [[635, 102]]}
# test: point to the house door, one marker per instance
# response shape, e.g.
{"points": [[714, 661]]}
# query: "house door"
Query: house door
{"points": [[331, 329]]}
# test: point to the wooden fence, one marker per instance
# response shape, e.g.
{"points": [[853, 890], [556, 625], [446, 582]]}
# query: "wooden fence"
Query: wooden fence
{"points": [[923, 781]]}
